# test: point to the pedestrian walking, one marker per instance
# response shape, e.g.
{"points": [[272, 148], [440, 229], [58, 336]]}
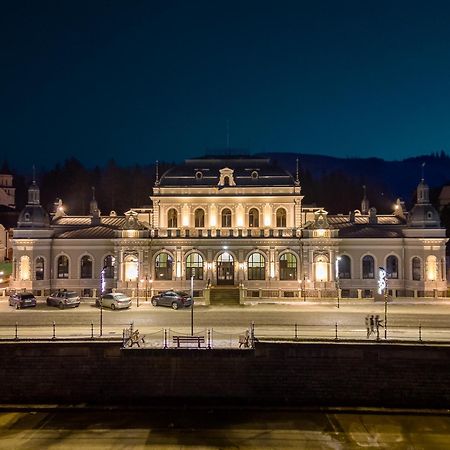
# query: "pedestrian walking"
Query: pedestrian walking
{"points": [[372, 324], [378, 324], [367, 321]]}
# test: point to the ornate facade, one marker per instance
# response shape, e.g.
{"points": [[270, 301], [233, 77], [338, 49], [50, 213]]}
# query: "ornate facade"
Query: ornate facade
{"points": [[235, 223]]}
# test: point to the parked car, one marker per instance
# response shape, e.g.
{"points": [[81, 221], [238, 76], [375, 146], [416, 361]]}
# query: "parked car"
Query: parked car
{"points": [[115, 300], [22, 300], [64, 299], [174, 299]]}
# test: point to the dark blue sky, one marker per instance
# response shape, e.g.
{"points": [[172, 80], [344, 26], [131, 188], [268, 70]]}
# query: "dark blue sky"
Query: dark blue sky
{"points": [[146, 80]]}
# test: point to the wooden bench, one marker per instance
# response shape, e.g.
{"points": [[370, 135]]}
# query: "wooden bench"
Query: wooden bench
{"points": [[188, 340]]}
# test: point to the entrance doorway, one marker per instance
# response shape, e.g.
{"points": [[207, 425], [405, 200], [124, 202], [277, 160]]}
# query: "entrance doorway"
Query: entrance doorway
{"points": [[225, 269]]}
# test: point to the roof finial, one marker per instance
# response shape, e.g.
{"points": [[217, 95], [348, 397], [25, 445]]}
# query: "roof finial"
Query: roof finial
{"points": [[93, 192], [34, 174], [297, 180], [423, 170], [157, 173]]}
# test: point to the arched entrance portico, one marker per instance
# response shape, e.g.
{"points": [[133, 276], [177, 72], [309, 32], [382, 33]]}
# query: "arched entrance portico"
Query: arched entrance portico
{"points": [[225, 269]]}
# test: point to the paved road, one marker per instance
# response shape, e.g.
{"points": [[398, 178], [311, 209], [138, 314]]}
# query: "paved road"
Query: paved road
{"points": [[313, 320], [222, 428]]}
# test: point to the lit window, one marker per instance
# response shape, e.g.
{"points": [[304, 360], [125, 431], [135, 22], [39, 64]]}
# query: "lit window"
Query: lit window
{"points": [[226, 218], [39, 268], [368, 267], [163, 267], [63, 267], [288, 266], [86, 267], [253, 218], [199, 216], [131, 268], [172, 218], [194, 266], [416, 269], [281, 218], [24, 268], [431, 268], [256, 265], [321, 271]]}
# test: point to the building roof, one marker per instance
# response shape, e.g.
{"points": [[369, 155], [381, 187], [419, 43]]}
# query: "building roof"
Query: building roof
{"points": [[387, 226], [247, 171], [81, 227]]}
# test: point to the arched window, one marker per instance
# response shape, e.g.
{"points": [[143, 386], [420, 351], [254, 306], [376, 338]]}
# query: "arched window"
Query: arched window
{"points": [[194, 266], [63, 267], [281, 218], [108, 266], [131, 267], [368, 267], [288, 266], [431, 268], [163, 267], [226, 181], [321, 268], [392, 267], [172, 218], [86, 267], [345, 267], [226, 218], [256, 267], [416, 269], [253, 218], [39, 268], [25, 269], [199, 218]]}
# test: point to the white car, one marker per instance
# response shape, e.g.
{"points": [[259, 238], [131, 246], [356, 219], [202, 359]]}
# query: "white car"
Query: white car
{"points": [[115, 300]]}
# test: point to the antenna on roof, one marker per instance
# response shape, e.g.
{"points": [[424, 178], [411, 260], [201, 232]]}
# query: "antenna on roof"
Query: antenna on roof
{"points": [[297, 180], [34, 174], [157, 173], [93, 192], [423, 170]]}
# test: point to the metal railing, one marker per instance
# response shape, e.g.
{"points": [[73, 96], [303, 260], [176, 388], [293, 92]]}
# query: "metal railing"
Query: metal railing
{"points": [[232, 337]]}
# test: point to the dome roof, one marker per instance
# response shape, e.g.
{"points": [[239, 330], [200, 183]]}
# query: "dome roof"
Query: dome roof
{"points": [[33, 216], [424, 216]]}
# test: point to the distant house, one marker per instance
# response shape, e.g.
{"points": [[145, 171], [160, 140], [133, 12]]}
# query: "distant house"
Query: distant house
{"points": [[8, 215], [236, 227]]}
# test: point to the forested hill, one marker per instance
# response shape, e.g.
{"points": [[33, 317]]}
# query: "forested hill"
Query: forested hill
{"points": [[333, 183], [385, 180]]}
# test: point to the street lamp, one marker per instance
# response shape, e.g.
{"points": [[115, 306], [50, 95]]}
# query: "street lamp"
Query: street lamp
{"points": [[383, 289], [337, 279], [102, 289], [192, 305]]}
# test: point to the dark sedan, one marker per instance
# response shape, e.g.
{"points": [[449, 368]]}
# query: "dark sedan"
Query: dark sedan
{"points": [[64, 299], [174, 299], [22, 300]]}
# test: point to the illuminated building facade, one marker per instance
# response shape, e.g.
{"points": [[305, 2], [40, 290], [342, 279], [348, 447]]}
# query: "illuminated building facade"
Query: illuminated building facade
{"points": [[236, 225]]}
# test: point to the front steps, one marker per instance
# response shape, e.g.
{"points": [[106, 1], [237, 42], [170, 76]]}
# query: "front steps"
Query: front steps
{"points": [[225, 296]]}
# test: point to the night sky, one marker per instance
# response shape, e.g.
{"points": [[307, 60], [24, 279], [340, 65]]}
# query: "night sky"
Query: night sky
{"points": [[143, 80]]}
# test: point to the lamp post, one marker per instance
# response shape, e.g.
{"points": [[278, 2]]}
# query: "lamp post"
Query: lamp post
{"points": [[383, 289], [146, 287], [337, 279], [304, 287], [102, 288], [192, 305]]}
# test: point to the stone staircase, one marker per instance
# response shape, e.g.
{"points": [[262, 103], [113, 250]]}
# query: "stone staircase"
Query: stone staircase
{"points": [[225, 296]]}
